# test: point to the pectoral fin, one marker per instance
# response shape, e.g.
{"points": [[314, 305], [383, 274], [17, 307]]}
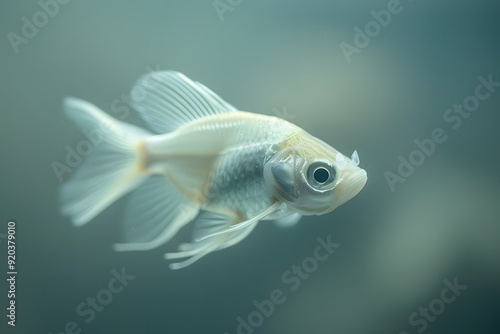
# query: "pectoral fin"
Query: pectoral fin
{"points": [[208, 223], [254, 220]]}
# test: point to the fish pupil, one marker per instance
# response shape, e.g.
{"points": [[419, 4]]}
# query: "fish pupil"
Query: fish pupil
{"points": [[321, 175]]}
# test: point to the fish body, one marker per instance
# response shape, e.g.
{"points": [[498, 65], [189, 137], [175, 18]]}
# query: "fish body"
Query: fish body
{"points": [[237, 146], [210, 164]]}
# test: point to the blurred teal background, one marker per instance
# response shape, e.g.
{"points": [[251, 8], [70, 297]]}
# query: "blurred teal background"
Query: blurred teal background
{"points": [[397, 247]]}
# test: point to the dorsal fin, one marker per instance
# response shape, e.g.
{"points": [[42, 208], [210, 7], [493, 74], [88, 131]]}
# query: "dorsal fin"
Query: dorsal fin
{"points": [[168, 99]]}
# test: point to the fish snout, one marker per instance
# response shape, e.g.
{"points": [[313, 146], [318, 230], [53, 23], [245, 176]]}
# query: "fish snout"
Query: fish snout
{"points": [[354, 184], [358, 182]]}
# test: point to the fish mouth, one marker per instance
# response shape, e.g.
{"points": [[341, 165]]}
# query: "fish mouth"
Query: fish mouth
{"points": [[357, 182]]}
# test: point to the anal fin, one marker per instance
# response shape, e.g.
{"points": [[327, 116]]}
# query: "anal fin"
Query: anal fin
{"points": [[156, 211], [288, 221]]}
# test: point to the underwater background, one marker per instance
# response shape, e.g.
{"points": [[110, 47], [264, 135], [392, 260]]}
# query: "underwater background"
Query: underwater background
{"points": [[417, 250]]}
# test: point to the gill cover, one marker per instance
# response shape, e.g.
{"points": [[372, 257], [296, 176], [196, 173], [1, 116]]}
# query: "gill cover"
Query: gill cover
{"points": [[280, 172]]}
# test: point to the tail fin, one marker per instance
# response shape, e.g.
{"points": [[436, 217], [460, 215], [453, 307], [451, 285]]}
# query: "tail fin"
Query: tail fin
{"points": [[111, 168]]}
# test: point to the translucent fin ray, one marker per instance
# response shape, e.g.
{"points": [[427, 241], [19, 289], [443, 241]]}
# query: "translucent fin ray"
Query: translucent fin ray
{"points": [[151, 209], [160, 218], [168, 99], [99, 181], [206, 223], [254, 220]]}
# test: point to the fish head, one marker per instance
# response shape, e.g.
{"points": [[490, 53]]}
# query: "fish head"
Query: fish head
{"points": [[312, 177]]}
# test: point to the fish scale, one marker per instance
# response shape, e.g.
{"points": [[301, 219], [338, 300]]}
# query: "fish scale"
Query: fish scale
{"points": [[237, 181]]}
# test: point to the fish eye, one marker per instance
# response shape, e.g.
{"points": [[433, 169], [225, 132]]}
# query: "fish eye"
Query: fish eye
{"points": [[320, 174]]}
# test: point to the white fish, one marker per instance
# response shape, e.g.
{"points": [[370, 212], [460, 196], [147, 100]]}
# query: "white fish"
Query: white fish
{"points": [[221, 168]]}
